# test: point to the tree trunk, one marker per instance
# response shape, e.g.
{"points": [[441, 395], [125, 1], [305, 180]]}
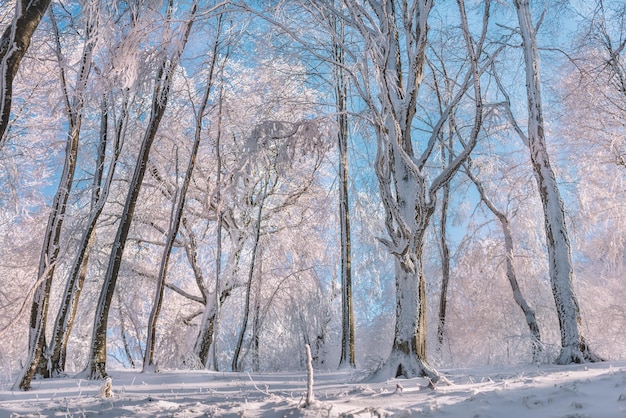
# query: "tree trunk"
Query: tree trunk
{"points": [[410, 212], [220, 216], [48, 259], [573, 345], [38, 359], [178, 206], [13, 46], [445, 266], [127, 352], [408, 353], [236, 366], [210, 317], [209, 327], [256, 333], [407, 191], [529, 313], [97, 357], [347, 310], [69, 305]]}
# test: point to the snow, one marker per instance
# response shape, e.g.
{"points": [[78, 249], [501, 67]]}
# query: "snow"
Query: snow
{"points": [[574, 391]]}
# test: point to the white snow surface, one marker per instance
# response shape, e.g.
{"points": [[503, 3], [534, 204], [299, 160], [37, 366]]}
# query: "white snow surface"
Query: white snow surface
{"points": [[575, 391]]}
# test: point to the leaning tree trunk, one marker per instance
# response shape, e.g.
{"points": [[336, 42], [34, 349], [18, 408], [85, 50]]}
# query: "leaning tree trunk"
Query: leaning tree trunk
{"points": [[97, 357], [13, 46], [69, 305], [177, 215], [529, 313], [37, 357], [573, 345], [236, 366]]}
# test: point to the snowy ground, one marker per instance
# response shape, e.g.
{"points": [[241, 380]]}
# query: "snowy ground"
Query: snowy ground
{"points": [[596, 390]]}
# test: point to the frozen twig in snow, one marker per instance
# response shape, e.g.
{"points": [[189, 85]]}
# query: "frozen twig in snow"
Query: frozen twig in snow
{"points": [[266, 391], [105, 389]]}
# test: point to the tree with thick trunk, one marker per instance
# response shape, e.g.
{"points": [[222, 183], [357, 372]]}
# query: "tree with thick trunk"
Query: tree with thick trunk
{"points": [[13, 46], [395, 39], [573, 345]]}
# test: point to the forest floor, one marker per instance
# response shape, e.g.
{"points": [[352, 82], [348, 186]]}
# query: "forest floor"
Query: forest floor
{"points": [[576, 391]]}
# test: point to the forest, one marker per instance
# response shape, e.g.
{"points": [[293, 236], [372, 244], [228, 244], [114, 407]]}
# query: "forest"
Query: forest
{"points": [[402, 186]]}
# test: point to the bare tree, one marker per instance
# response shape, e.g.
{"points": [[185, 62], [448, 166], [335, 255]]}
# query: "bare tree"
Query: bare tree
{"points": [[236, 365], [394, 35], [162, 84], [529, 313], [74, 104], [573, 345], [13, 46], [347, 308], [68, 309], [176, 217], [445, 257]]}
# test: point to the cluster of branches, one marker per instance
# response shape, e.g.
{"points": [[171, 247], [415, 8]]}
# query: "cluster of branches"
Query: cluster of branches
{"points": [[212, 165]]}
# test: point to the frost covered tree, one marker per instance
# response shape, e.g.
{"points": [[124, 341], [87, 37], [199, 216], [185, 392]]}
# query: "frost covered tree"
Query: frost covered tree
{"points": [[166, 68], [511, 275], [388, 74], [573, 345], [178, 205], [74, 105], [274, 149], [592, 89], [341, 96], [14, 43]]}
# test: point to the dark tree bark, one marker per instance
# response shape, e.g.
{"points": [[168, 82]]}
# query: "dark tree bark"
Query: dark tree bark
{"points": [[178, 206], [37, 358], [347, 309], [97, 357], [236, 365], [13, 46], [445, 266], [69, 305]]}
